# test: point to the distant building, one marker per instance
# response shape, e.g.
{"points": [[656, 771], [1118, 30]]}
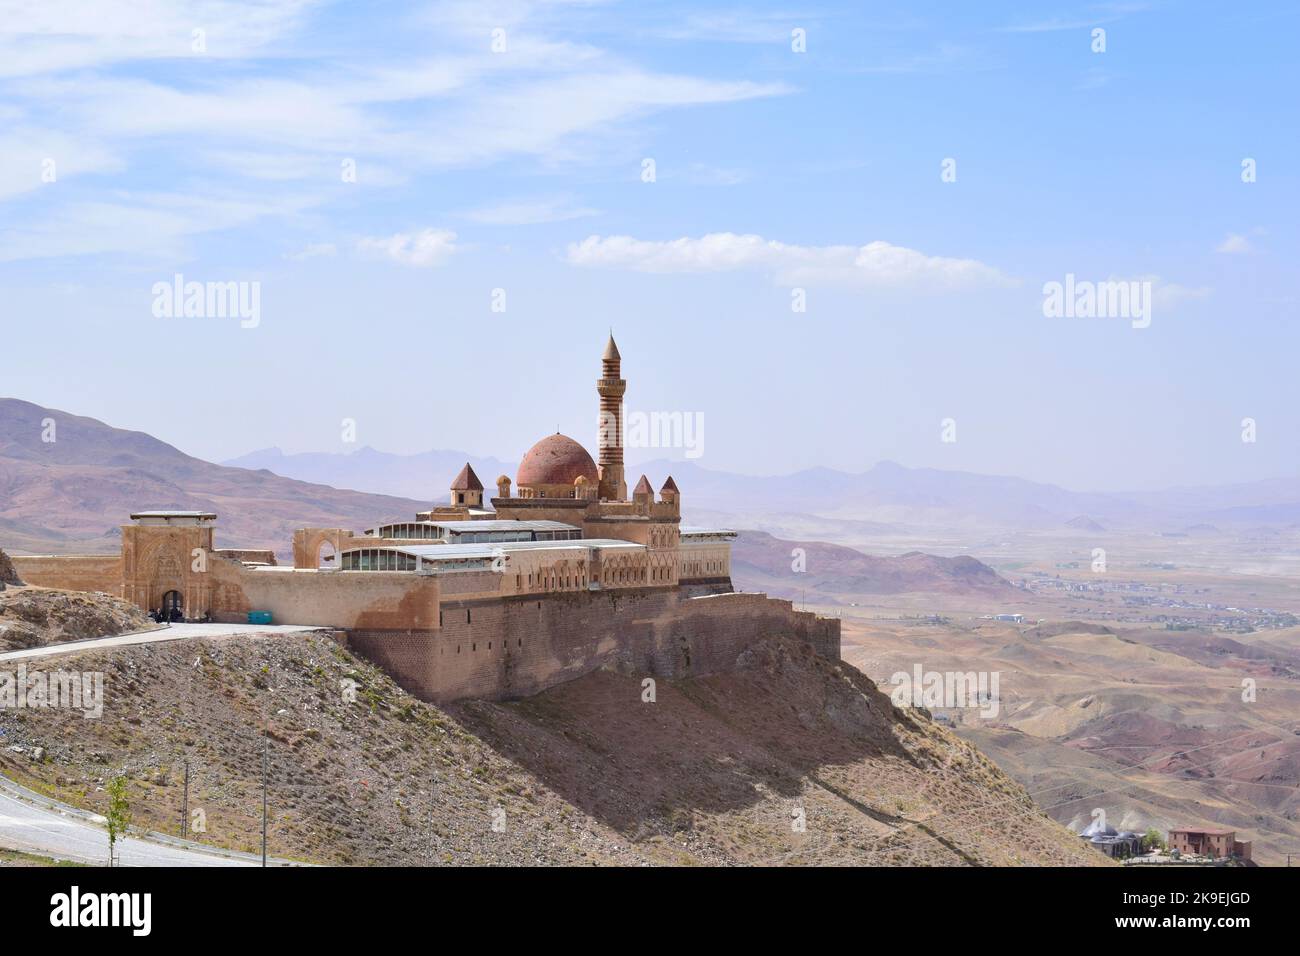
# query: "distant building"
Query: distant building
{"points": [[1114, 843], [1219, 844]]}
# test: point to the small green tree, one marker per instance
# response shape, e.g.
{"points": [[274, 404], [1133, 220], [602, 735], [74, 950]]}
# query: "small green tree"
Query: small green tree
{"points": [[118, 817], [1152, 840]]}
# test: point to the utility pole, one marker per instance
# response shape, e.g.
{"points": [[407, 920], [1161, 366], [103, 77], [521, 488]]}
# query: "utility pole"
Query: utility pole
{"points": [[185, 803], [264, 801]]}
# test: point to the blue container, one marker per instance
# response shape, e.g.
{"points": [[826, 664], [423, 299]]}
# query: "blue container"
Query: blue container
{"points": [[259, 617]]}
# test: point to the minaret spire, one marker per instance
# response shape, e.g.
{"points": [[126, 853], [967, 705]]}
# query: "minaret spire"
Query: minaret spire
{"points": [[611, 386]]}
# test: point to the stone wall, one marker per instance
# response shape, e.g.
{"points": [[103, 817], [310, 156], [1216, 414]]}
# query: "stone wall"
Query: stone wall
{"points": [[519, 646], [364, 599], [251, 555], [72, 572]]}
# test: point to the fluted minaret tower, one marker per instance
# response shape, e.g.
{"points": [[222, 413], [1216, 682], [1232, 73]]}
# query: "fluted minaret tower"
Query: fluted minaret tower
{"points": [[611, 387]]}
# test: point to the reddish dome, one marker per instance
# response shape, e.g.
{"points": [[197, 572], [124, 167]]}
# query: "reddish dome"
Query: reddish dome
{"points": [[555, 460]]}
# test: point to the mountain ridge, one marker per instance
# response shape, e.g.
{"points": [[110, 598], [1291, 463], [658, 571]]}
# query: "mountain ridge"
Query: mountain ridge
{"points": [[70, 487], [888, 492]]}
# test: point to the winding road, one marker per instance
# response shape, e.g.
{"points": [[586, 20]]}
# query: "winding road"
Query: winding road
{"points": [[37, 824], [170, 632]]}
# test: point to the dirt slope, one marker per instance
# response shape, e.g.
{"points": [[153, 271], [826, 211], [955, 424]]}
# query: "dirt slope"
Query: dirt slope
{"points": [[714, 771], [34, 617]]}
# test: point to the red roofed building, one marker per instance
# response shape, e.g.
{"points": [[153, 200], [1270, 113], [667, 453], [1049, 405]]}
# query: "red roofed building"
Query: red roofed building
{"points": [[1219, 844]]}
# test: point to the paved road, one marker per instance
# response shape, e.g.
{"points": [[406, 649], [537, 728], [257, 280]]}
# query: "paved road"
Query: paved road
{"points": [[51, 829], [172, 632], [37, 824]]}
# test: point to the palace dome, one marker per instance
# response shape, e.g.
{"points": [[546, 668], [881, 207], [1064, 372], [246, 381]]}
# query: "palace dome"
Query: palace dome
{"points": [[555, 460]]}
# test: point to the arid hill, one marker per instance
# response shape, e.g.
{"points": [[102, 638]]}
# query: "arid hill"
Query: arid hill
{"points": [[73, 493], [789, 759], [1084, 523], [34, 617], [7, 573], [1153, 726], [763, 562]]}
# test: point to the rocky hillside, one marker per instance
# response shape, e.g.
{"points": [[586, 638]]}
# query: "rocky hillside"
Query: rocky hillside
{"points": [[789, 759], [34, 617], [766, 563], [7, 573]]}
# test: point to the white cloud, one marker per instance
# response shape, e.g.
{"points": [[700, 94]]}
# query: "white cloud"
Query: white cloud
{"points": [[556, 118], [313, 250], [527, 212], [38, 37], [26, 152], [69, 91], [154, 225], [1234, 244], [876, 263], [1097, 15], [287, 119], [1169, 295], [426, 248], [749, 27]]}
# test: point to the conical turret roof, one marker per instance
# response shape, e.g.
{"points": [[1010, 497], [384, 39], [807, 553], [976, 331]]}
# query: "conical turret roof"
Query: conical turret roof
{"points": [[467, 480]]}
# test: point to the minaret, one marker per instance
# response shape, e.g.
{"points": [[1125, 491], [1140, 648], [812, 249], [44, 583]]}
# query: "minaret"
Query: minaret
{"points": [[611, 388]]}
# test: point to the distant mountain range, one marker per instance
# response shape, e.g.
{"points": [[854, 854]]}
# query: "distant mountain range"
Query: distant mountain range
{"points": [[886, 496], [73, 493], [425, 477], [762, 562]]}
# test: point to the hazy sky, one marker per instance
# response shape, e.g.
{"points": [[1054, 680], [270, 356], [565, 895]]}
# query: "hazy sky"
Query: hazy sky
{"points": [[504, 146]]}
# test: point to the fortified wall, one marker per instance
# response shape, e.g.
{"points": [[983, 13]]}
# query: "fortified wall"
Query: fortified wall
{"points": [[520, 646], [71, 572], [446, 637]]}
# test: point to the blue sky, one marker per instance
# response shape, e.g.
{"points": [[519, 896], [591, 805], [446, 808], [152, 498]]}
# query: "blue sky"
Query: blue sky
{"points": [[522, 169]]}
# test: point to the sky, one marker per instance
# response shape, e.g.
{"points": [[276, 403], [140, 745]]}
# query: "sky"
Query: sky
{"points": [[825, 233]]}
